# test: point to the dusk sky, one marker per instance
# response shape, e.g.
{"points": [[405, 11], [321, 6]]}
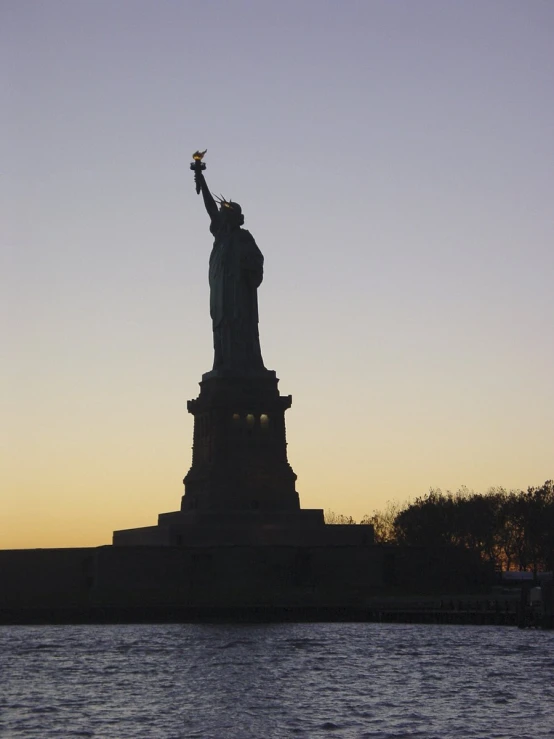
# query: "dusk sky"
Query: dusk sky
{"points": [[394, 161]]}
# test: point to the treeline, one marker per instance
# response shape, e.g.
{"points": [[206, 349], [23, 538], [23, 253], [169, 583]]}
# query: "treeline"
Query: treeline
{"points": [[512, 529]]}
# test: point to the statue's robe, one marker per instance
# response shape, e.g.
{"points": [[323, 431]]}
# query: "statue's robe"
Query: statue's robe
{"points": [[235, 273]]}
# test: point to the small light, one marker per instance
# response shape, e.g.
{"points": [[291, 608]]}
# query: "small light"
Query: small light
{"points": [[250, 419], [264, 420]]}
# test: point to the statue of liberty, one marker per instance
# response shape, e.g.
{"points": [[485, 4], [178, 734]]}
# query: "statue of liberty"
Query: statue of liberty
{"points": [[235, 273]]}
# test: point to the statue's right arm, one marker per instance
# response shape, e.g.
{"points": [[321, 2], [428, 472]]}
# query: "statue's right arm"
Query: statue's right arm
{"points": [[209, 202]]}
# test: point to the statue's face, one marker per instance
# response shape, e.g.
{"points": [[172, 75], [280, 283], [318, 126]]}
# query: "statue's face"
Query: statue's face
{"points": [[233, 216]]}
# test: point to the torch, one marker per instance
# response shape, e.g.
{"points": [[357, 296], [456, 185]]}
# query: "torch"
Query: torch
{"points": [[197, 165]]}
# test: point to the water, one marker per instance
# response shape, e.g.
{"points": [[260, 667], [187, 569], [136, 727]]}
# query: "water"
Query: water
{"points": [[270, 681]]}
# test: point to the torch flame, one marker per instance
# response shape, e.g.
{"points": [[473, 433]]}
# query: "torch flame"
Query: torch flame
{"points": [[199, 155]]}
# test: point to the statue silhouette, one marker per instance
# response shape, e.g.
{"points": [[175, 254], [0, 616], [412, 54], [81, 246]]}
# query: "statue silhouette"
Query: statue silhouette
{"points": [[235, 273]]}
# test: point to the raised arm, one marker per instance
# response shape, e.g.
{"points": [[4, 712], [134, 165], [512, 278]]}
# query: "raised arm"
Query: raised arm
{"points": [[209, 202]]}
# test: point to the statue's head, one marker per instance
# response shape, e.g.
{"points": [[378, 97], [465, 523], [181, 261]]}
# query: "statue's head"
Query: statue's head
{"points": [[231, 211]]}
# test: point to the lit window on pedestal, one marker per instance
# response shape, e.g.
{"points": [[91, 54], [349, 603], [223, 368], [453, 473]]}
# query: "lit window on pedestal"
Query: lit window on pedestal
{"points": [[264, 421], [250, 419], [236, 418]]}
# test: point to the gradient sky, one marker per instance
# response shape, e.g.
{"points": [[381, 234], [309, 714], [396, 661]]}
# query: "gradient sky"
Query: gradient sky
{"points": [[394, 161]]}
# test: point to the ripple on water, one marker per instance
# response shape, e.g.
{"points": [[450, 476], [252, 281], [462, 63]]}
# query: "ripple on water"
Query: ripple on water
{"points": [[281, 680]]}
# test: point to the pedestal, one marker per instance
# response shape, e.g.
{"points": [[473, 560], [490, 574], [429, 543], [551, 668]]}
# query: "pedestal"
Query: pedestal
{"points": [[239, 456], [240, 488]]}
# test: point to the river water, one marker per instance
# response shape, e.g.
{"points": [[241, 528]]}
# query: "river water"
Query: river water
{"points": [[262, 681]]}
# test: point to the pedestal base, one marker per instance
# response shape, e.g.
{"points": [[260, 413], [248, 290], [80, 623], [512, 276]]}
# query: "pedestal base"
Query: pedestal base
{"points": [[303, 528]]}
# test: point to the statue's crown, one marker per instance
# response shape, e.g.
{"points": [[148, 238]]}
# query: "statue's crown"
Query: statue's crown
{"points": [[223, 203]]}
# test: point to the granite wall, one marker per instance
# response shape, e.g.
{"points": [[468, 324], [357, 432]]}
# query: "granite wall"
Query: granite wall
{"points": [[230, 576]]}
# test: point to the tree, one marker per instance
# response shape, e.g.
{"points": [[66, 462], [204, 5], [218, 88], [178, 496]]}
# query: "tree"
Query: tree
{"points": [[337, 518], [512, 529], [429, 520], [383, 523]]}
